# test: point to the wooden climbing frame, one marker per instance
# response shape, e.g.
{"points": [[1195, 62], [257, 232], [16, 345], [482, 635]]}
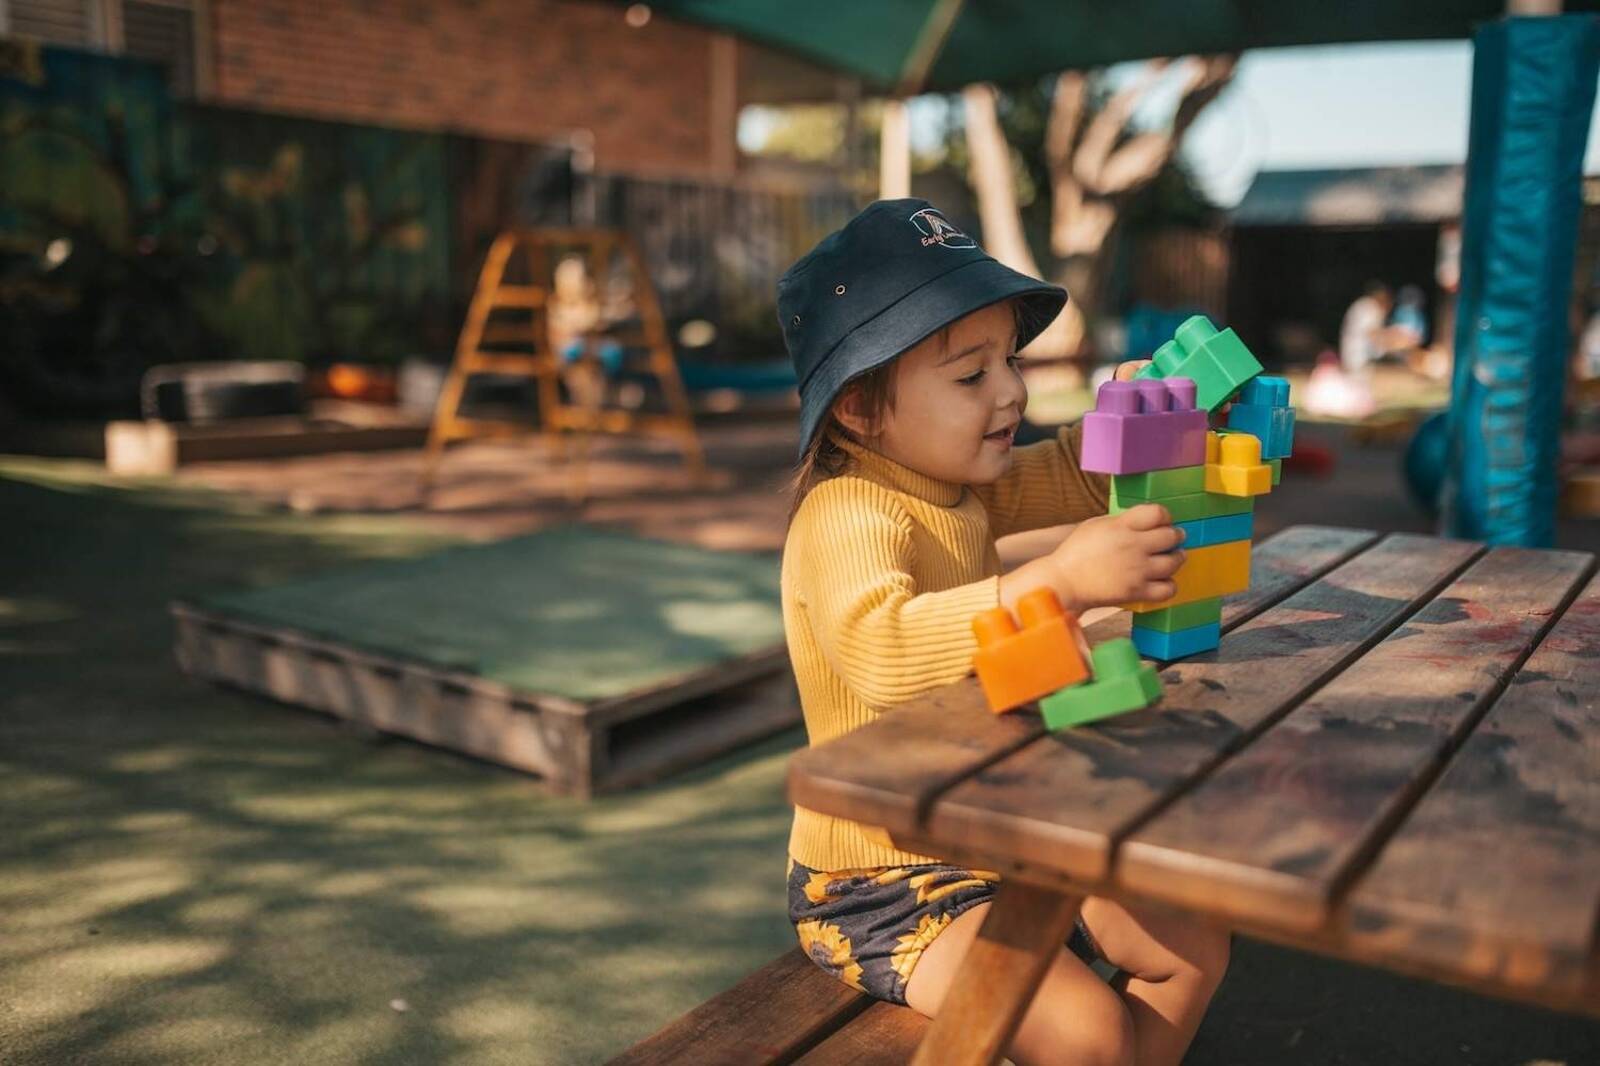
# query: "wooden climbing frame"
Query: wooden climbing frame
{"points": [[508, 332]]}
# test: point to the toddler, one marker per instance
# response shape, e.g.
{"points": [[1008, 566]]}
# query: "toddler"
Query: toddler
{"points": [[904, 335]]}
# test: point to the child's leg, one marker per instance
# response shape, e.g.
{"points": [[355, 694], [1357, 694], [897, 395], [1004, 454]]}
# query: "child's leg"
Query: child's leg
{"points": [[1074, 1016], [1171, 967]]}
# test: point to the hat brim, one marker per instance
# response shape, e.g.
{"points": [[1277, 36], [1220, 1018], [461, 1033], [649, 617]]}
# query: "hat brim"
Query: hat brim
{"points": [[919, 315]]}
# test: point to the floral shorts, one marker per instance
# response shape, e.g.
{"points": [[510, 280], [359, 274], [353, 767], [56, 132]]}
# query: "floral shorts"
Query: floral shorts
{"points": [[869, 927]]}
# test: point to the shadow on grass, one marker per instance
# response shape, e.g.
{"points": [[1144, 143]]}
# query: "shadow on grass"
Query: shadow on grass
{"points": [[193, 875]]}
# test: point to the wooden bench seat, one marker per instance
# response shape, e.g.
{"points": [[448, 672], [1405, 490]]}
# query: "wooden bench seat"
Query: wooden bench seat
{"points": [[788, 1011]]}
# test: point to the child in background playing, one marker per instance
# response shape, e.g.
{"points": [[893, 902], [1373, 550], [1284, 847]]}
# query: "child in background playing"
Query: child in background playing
{"points": [[904, 336]]}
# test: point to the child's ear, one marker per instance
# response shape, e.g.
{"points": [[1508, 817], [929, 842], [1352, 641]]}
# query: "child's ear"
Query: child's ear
{"points": [[847, 409]]}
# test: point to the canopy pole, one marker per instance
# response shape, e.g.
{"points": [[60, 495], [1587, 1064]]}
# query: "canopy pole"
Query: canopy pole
{"points": [[1533, 90], [894, 157]]}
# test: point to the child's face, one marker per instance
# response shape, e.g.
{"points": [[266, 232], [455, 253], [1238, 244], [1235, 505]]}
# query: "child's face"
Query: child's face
{"points": [[957, 401]]}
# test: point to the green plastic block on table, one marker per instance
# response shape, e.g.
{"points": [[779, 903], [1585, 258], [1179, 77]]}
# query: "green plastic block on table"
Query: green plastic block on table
{"points": [[1159, 484], [1189, 508], [1218, 362], [1184, 616], [1122, 682]]}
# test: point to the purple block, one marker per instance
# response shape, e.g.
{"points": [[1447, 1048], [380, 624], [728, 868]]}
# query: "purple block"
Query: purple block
{"points": [[1150, 424]]}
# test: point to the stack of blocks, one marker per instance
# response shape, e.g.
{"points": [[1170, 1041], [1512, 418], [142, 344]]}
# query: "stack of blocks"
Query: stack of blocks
{"points": [[1151, 435], [1043, 660]]}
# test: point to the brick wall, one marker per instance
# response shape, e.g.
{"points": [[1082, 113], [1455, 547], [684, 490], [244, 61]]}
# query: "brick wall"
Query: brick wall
{"points": [[513, 69]]}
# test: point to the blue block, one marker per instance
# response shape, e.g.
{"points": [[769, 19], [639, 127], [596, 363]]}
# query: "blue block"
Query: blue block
{"points": [[1273, 425], [1228, 527], [1204, 532], [1154, 644], [1265, 391]]}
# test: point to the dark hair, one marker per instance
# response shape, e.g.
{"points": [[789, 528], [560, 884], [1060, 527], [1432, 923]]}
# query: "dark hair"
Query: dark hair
{"points": [[823, 457]]}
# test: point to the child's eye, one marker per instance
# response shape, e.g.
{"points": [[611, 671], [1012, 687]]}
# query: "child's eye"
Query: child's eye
{"points": [[972, 378], [1013, 360]]}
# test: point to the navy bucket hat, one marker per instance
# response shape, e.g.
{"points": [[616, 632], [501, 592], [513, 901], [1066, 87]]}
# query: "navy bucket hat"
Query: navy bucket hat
{"points": [[894, 275]]}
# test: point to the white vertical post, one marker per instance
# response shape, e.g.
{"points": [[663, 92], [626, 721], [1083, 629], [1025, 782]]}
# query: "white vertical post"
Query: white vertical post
{"points": [[894, 163]]}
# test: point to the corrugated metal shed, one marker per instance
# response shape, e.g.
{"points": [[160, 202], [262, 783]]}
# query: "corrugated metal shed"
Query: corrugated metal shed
{"points": [[1364, 196]]}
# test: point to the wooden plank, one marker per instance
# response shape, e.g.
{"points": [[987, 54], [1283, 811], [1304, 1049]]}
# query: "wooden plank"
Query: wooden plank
{"points": [[1279, 830], [882, 1035], [772, 1016], [1064, 802], [1022, 932], [868, 775], [1497, 873]]}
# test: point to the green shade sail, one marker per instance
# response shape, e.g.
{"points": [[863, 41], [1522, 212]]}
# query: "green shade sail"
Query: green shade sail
{"points": [[1011, 41]]}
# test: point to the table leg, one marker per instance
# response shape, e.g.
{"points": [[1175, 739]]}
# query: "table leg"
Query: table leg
{"points": [[1025, 927]]}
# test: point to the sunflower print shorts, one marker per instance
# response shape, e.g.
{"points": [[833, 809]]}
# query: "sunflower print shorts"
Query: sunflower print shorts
{"points": [[869, 927]]}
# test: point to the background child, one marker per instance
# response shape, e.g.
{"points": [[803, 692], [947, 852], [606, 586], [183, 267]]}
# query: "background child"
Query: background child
{"points": [[904, 336]]}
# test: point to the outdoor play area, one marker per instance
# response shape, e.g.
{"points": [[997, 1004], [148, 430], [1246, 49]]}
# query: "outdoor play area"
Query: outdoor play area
{"points": [[422, 644]]}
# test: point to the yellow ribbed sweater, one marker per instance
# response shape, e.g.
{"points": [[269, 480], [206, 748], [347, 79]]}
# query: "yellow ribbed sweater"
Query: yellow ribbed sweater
{"points": [[883, 570]]}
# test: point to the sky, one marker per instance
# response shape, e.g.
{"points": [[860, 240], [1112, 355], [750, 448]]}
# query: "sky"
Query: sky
{"points": [[1295, 108]]}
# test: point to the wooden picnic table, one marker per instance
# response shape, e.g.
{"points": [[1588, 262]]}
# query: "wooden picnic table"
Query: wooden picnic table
{"points": [[1394, 758]]}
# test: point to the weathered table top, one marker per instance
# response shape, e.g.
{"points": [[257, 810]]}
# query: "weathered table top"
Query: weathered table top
{"points": [[1394, 757]]}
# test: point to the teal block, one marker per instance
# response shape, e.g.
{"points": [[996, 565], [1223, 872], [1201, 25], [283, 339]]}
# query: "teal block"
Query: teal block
{"points": [[1223, 528], [1167, 646], [1218, 362], [1121, 683]]}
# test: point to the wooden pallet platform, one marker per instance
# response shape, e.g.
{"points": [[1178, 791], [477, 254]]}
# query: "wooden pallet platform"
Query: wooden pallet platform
{"points": [[629, 693], [579, 749]]}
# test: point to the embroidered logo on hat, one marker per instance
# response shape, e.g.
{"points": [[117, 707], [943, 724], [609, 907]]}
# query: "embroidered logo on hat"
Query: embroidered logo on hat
{"points": [[936, 229]]}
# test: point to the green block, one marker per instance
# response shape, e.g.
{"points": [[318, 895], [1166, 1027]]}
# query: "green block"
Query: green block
{"points": [[1218, 362], [1189, 508], [1184, 616], [1277, 471], [1121, 683], [1159, 484]]}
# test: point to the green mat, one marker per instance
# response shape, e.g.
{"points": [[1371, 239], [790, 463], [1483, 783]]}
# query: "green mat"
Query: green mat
{"points": [[578, 612]]}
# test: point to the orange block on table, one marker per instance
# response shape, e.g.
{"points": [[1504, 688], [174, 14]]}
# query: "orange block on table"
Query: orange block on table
{"points": [[1018, 665]]}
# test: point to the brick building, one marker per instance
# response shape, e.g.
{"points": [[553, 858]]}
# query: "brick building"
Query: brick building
{"points": [[651, 95]]}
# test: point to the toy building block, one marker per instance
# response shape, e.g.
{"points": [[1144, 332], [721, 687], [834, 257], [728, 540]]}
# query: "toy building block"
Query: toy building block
{"points": [[1121, 683], [1193, 508], [1223, 528], [1263, 411], [1189, 615], [1159, 484], [1143, 425], [1234, 466], [1219, 363], [1165, 646], [1015, 665], [1277, 471], [1207, 573]]}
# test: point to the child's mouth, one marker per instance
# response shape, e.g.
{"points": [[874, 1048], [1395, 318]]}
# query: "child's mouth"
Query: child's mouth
{"points": [[1002, 436]]}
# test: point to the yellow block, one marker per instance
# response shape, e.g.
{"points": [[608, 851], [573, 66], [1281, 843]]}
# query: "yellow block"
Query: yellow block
{"points": [[1234, 466], [1212, 571]]}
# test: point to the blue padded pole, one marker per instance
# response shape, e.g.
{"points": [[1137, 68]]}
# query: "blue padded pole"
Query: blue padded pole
{"points": [[1533, 89]]}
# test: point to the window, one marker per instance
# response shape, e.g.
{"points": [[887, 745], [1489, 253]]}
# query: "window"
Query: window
{"points": [[168, 32]]}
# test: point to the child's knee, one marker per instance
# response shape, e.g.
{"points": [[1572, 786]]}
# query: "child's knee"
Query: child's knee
{"points": [[1076, 1022]]}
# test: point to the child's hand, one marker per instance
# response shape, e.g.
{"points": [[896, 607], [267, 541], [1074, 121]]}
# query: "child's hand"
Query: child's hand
{"points": [[1125, 371], [1118, 559]]}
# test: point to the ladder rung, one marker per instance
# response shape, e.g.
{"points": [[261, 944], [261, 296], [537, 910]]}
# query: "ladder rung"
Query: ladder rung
{"points": [[466, 428], [505, 333], [482, 362], [516, 296]]}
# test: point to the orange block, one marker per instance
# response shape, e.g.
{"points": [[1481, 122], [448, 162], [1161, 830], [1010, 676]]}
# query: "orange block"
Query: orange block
{"points": [[1016, 666], [1213, 571]]}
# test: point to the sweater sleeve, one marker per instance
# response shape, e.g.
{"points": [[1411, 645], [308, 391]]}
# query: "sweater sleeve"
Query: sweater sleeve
{"points": [[1045, 487], [883, 638]]}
